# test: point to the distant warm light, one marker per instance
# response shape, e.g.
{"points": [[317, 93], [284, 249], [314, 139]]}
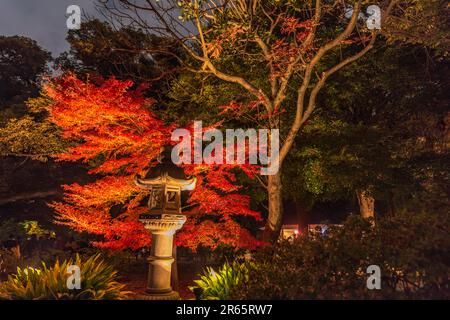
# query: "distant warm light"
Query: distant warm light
{"points": [[289, 231]]}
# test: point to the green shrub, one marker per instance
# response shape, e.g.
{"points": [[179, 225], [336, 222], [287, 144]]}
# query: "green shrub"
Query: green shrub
{"points": [[98, 281], [412, 251], [33, 228], [219, 285]]}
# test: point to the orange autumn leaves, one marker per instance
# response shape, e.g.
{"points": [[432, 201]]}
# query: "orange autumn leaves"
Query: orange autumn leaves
{"points": [[111, 126], [109, 119]]}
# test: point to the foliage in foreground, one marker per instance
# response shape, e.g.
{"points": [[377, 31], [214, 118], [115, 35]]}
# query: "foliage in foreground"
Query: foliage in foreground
{"points": [[98, 282], [218, 285], [412, 251]]}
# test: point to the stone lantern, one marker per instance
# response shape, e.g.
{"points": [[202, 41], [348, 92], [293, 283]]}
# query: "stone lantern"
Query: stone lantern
{"points": [[165, 182]]}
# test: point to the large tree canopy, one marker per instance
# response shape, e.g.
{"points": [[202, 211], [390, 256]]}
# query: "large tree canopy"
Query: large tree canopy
{"points": [[288, 43], [22, 62], [24, 129], [113, 128], [126, 53]]}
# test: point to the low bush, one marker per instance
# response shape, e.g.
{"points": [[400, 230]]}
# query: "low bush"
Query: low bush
{"points": [[219, 285], [412, 251], [98, 281]]}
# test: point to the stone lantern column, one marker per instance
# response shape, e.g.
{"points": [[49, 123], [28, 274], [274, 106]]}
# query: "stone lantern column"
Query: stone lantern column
{"points": [[164, 182], [162, 228]]}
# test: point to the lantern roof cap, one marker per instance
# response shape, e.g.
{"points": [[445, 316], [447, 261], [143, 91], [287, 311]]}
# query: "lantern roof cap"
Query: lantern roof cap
{"points": [[165, 172]]}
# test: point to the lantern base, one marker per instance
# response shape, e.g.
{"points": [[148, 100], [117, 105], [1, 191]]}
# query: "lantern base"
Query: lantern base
{"points": [[173, 295], [163, 228]]}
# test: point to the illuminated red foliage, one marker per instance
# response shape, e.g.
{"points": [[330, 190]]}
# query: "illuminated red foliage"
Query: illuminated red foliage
{"points": [[111, 127]]}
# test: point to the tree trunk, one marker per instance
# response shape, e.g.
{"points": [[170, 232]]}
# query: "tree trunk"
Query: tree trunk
{"points": [[302, 215], [366, 204], [273, 224]]}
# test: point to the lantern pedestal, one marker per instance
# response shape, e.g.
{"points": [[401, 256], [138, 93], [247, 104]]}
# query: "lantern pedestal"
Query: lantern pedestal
{"points": [[162, 228], [165, 181]]}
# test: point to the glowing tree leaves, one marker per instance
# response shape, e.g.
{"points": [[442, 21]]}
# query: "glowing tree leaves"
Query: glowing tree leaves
{"points": [[110, 125], [110, 119]]}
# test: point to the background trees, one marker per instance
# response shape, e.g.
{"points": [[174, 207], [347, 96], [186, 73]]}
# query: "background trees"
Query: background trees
{"points": [[379, 127], [286, 41], [25, 132], [22, 62], [128, 53], [384, 131], [413, 262], [23, 129]]}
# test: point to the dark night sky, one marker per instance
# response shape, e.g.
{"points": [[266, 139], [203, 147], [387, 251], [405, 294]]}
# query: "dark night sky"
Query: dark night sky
{"points": [[41, 20]]}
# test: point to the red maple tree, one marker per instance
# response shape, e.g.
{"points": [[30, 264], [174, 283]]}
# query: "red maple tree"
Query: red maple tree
{"points": [[112, 127]]}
